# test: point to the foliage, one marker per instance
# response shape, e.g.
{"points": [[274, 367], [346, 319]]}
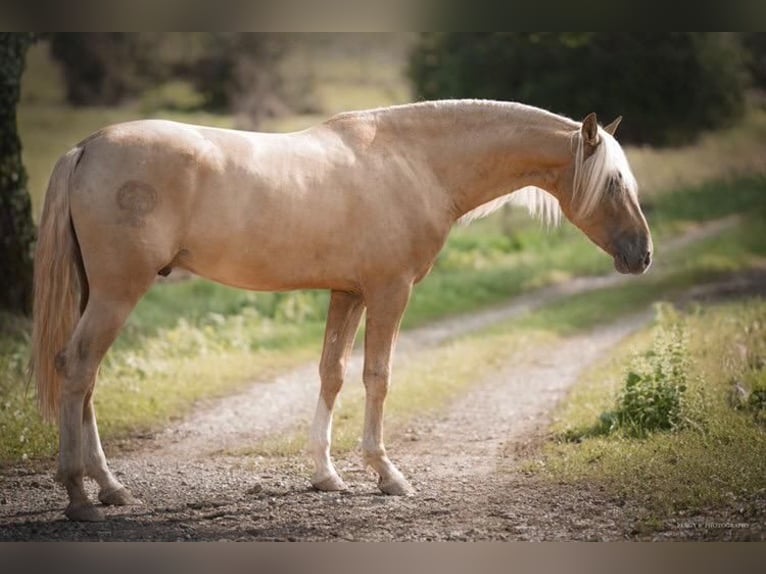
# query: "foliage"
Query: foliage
{"points": [[105, 68], [669, 85], [174, 95], [17, 232], [236, 71], [653, 396], [755, 43]]}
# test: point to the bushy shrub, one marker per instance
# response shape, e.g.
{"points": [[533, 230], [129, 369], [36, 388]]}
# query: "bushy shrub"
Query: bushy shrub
{"points": [[653, 396]]}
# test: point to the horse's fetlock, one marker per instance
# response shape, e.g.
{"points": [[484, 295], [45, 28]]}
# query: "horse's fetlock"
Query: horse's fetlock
{"points": [[372, 453], [69, 476]]}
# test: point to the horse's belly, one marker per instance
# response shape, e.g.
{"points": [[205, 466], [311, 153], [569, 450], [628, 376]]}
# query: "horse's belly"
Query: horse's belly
{"points": [[268, 268]]}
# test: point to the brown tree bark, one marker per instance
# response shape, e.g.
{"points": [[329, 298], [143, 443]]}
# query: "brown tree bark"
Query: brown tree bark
{"points": [[17, 230]]}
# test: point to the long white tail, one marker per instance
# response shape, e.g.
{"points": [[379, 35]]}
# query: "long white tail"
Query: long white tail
{"points": [[57, 277]]}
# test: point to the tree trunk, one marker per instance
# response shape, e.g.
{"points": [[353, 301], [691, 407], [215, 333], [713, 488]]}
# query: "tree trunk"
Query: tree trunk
{"points": [[17, 231]]}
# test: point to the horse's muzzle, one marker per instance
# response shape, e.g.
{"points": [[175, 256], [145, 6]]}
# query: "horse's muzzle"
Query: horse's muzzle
{"points": [[634, 265]]}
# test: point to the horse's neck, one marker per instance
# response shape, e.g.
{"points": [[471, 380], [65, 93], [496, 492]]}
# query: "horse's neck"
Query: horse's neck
{"points": [[480, 155]]}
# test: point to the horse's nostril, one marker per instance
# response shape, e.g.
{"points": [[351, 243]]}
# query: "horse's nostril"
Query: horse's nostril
{"points": [[648, 258]]}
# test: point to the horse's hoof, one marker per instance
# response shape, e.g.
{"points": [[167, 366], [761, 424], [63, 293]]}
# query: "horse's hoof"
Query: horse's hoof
{"points": [[84, 513], [118, 497], [396, 486], [332, 483]]}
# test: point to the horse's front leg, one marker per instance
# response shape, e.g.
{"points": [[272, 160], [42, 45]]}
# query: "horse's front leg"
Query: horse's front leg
{"points": [[342, 324], [385, 308]]}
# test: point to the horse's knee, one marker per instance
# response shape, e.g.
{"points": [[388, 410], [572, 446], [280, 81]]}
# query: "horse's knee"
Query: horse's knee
{"points": [[377, 381], [331, 373]]}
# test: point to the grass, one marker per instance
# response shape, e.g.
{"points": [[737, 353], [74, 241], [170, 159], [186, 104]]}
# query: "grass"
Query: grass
{"points": [[725, 155], [718, 458]]}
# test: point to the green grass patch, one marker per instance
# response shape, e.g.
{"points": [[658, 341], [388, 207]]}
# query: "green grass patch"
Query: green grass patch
{"points": [[715, 452], [673, 210], [203, 303]]}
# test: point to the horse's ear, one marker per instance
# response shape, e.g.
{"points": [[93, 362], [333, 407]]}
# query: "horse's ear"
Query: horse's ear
{"points": [[589, 129], [611, 128]]}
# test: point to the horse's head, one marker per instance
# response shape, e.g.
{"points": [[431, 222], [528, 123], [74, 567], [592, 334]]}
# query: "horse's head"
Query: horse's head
{"points": [[600, 197]]}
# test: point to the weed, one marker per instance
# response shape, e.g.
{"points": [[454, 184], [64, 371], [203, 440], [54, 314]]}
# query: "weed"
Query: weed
{"points": [[652, 398]]}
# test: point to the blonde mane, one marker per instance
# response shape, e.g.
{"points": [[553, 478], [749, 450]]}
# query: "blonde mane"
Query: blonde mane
{"points": [[591, 175], [540, 204], [589, 184]]}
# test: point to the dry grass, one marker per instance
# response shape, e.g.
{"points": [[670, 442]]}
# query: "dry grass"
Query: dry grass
{"points": [[720, 156]]}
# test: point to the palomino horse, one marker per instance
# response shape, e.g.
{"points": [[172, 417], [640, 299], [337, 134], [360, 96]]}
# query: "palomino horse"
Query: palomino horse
{"points": [[360, 205]]}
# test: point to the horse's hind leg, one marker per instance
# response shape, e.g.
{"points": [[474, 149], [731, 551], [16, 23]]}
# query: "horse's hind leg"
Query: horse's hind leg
{"points": [[342, 323], [79, 448], [111, 491]]}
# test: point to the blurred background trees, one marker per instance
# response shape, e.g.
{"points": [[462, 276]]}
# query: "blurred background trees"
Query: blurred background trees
{"points": [[755, 57], [105, 68], [670, 86], [220, 72]]}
